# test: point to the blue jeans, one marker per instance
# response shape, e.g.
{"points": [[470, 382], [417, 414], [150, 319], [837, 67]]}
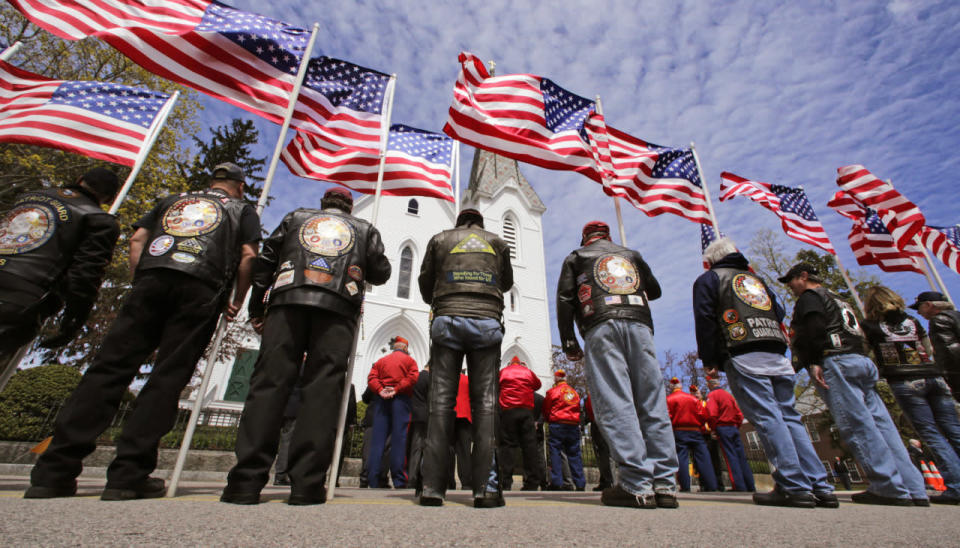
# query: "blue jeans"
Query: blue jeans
{"points": [[767, 402], [630, 405], [731, 448], [928, 403], [565, 438], [390, 416], [691, 443], [866, 427]]}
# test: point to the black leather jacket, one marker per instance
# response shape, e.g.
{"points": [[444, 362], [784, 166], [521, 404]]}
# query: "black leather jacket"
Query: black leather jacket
{"points": [[945, 336]]}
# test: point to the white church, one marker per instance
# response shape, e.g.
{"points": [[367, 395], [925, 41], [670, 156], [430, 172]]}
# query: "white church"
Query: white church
{"points": [[511, 209]]}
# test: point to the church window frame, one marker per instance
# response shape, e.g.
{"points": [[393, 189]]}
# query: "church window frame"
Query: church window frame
{"points": [[413, 207], [405, 272], [510, 232]]}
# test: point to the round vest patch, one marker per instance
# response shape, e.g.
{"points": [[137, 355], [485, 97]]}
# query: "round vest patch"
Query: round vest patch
{"points": [[26, 228], [161, 245], [192, 216], [616, 274], [326, 235], [751, 290]]}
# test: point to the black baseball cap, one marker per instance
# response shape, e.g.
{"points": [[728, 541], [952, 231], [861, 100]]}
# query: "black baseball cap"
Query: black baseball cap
{"points": [[102, 181], [795, 270], [926, 297], [229, 170]]}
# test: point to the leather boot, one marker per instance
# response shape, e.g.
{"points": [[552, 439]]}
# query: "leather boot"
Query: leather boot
{"points": [[483, 372]]}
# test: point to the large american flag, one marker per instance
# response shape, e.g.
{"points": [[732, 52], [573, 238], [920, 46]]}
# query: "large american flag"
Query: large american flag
{"points": [[520, 116], [905, 220], [96, 119], [418, 163], [242, 58], [870, 241], [797, 217], [944, 242]]}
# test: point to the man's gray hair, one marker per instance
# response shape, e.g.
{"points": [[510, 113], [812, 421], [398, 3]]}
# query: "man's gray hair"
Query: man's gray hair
{"points": [[718, 250]]}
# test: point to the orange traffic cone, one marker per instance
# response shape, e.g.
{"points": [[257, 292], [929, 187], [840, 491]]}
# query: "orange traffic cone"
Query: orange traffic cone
{"points": [[941, 485], [928, 476], [42, 446]]}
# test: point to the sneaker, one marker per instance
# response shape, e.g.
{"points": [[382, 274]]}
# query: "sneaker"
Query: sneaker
{"points": [[617, 496], [231, 496], [826, 500], [666, 500], [779, 498], [923, 502], [489, 500], [943, 499], [866, 497], [150, 488], [45, 492]]}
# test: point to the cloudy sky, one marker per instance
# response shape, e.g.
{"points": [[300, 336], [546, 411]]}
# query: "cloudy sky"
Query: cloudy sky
{"points": [[783, 92]]}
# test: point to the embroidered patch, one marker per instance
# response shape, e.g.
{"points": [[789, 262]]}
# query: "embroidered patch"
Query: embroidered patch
{"points": [[737, 331], [473, 244], [317, 277], [584, 293], [161, 245], [581, 279], [569, 395], [613, 299], [320, 264], [327, 235], [190, 246], [471, 276], [286, 265], [284, 278], [352, 288], [751, 290], [355, 272], [730, 315], [635, 300], [588, 309], [184, 258], [26, 228], [66, 193], [192, 216], [616, 274], [3, 262]]}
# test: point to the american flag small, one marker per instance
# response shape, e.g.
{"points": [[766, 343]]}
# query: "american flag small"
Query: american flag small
{"points": [[870, 241], [417, 163], [944, 242], [97, 119], [242, 58], [707, 236], [797, 217], [906, 220]]}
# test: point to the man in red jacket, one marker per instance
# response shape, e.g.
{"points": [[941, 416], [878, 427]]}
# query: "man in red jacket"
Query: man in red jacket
{"points": [[463, 436], [517, 428], [391, 379], [688, 416], [725, 418], [561, 409]]}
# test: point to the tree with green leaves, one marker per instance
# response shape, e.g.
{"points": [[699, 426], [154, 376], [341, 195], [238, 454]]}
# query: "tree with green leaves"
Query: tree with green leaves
{"points": [[227, 144]]}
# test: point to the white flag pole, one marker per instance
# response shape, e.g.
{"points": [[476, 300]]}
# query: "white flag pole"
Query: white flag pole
{"points": [[222, 325], [456, 176], [706, 190], [616, 199], [932, 268], [153, 133], [8, 53], [384, 138]]}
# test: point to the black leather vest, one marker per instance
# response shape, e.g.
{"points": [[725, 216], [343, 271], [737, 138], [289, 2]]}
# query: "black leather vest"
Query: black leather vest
{"points": [[901, 353], [39, 236], [745, 308], [844, 334], [325, 251], [470, 264], [609, 285], [197, 233]]}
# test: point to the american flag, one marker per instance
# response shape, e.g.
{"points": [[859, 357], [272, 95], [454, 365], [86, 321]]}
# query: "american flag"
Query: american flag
{"points": [[520, 116], [653, 178], [417, 163], [242, 58], [797, 217], [707, 236], [945, 244], [872, 244], [906, 220], [96, 119]]}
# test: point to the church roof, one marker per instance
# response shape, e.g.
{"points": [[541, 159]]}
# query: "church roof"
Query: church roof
{"points": [[491, 172]]}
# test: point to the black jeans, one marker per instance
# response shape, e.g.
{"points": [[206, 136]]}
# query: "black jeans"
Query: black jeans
{"points": [[518, 429], [18, 327], [167, 311], [289, 331]]}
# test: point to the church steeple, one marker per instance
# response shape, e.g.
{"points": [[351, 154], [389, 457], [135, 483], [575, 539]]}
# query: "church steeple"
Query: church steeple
{"points": [[492, 172]]}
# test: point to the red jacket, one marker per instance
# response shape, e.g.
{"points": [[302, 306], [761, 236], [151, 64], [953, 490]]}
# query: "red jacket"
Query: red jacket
{"points": [[463, 398], [722, 409], [562, 404], [686, 411], [517, 385], [588, 408], [396, 369]]}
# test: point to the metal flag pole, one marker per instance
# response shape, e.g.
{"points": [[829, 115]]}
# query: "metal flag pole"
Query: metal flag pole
{"points": [[12, 364], [706, 190], [211, 357], [152, 136], [616, 199], [932, 268], [843, 271], [8, 53], [351, 363]]}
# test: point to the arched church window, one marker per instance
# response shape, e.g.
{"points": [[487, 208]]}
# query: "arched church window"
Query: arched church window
{"points": [[406, 270], [514, 301], [413, 207], [510, 230]]}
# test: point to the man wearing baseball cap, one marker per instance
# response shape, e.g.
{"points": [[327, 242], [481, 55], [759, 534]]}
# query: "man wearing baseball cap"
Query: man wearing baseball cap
{"points": [[391, 379], [944, 334]]}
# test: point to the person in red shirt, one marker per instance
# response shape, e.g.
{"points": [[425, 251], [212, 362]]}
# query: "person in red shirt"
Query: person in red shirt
{"points": [[561, 410], [517, 423], [725, 418], [392, 379], [688, 417], [463, 436]]}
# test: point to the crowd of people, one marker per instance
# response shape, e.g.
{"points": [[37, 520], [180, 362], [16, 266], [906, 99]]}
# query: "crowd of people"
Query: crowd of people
{"points": [[308, 280]]}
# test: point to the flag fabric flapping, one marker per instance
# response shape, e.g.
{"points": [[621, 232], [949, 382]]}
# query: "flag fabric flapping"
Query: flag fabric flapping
{"points": [[797, 217], [242, 58], [417, 163], [97, 119], [905, 221], [870, 241], [707, 236], [944, 242]]}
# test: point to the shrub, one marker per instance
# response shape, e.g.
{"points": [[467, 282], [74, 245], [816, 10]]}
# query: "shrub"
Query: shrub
{"points": [[32, 398]]}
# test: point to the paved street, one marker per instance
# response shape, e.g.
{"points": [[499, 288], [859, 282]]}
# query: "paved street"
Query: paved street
{"points": [[363, 517]]}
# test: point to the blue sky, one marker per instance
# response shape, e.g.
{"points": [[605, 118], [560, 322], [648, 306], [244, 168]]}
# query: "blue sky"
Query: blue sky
{"points": [[783, 92]]}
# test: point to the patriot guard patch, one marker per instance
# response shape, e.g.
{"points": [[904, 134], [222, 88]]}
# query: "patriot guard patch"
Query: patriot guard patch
{"points": [[473, 244]]}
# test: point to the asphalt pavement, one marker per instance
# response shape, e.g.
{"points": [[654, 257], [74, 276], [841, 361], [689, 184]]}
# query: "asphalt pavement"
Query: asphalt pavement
{"points": [[365, 517]]}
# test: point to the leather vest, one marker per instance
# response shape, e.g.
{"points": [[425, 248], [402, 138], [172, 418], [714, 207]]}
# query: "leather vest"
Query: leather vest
{"points": [[324, 254], [901, 353], [470, 266], [844, 334], [196, 233], [39, 236], [746, 311], [609, 285]]}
